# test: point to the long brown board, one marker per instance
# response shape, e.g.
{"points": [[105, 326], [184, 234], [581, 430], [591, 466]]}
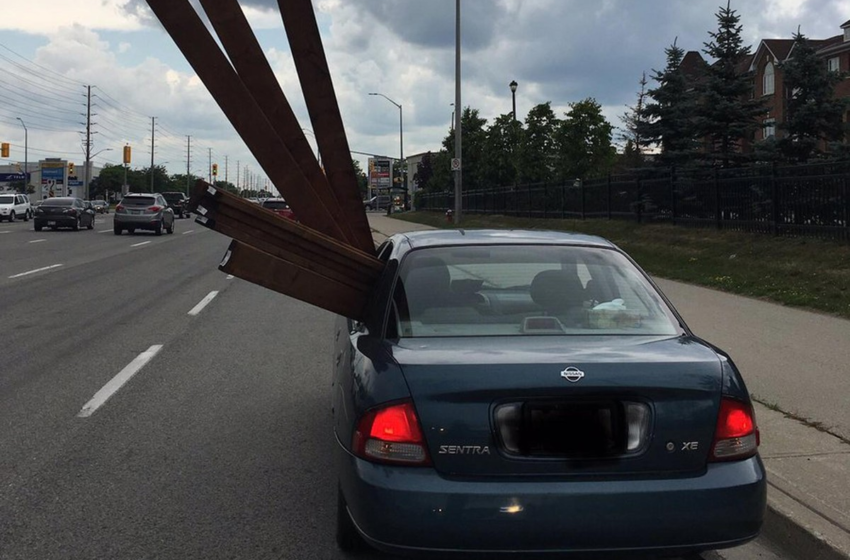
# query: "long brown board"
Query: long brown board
{"points": [[250, 62], [196, 43], [305, 42]]}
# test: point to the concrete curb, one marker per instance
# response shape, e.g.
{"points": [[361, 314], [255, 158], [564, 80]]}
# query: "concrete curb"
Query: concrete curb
{"points": [[795, 529]]}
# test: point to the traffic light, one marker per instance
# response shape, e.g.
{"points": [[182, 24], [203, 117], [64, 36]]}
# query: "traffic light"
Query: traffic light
{"points": [[127, 155], [70, 169], [4, 149], [215, 170]]}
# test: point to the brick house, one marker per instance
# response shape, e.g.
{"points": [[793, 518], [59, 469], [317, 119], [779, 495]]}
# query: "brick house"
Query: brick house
{"points": [[769, 83]]}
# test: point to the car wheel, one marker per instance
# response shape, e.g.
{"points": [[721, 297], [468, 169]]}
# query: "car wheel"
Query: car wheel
{"points": [[91, 224], [170, 229], [37, 228], [131, 231], [116, 230], [76, 226], [347, 537], [11, 217], [27, 216], [158, 229]]}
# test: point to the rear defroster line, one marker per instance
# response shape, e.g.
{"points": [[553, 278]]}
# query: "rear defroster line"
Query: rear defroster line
{"points": [[118, 381]]}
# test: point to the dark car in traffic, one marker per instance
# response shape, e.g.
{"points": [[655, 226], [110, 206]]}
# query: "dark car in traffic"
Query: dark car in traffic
{"points": [[144, 212], [64, 212], [524, 392], [178, 202]]}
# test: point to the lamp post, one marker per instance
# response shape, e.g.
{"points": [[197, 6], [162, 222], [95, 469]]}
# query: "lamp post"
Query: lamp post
{"points": [[26, 156], [400, 146], [513, 85], [86, 191]]}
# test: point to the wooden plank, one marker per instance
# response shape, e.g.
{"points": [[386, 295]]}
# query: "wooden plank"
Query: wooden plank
{"points": [[205, 195], [247, 56], [253, 265], [257, 239], [305, 42], [182, 22]]}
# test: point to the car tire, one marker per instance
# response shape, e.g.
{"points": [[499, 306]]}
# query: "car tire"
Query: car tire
{"points": [[116, 230], [27, 216], [91, 224], [11, 217], [348, 538], [76, 226], [158, 228], [170, 229], [37, 228]]}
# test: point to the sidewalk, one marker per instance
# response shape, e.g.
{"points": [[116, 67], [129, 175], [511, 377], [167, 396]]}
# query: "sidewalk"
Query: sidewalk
{"points": [[797, 362]]}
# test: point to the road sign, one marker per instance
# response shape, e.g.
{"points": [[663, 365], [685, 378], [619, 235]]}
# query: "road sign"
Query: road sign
{"points": [[455, 164]]}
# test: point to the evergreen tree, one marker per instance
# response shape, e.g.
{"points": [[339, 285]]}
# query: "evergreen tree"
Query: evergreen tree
{"points": [[537, 147], [634, 125], [727, 112], [670, 114], [813, 113]]}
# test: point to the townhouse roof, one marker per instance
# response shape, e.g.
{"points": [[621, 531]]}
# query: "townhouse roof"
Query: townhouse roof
{"points": [[693, 64]]}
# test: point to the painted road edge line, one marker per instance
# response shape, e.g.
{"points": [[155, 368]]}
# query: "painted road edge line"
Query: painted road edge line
{"points": [[118, 381], [190, 231], [34, 271], [140, 244], [37, 240], [198, 308]]}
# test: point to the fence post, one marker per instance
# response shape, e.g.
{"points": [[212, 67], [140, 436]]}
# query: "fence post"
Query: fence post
{"points": [[718, 218], [581, 192], [609, 196], [673, 192], [774, 187], [639, 205]]}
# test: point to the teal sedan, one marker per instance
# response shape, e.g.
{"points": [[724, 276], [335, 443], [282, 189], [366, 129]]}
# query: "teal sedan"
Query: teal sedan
{"points": [[520, 393]]}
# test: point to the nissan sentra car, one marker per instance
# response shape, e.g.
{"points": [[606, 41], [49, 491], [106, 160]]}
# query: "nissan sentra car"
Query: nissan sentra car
{"points": [[524, 392]]}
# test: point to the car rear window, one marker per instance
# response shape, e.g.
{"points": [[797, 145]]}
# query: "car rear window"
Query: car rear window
{"points": [[58, 202], [526, 290], [173, 197], [139, 201], [7, 199], [275, 205]]}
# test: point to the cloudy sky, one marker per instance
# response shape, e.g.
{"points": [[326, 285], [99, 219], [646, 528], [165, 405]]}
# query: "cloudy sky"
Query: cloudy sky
{"points": [[557, 50]]}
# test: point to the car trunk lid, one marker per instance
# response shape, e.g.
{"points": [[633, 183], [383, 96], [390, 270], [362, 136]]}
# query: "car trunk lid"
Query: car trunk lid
{"points": [[579, 406]]}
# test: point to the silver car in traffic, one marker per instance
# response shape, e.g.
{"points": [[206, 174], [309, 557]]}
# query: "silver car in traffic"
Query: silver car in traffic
{"points": [[143, 211]]}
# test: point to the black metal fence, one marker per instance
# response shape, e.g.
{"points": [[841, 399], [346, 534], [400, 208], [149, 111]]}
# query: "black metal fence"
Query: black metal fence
{"points": [[807, 200]]}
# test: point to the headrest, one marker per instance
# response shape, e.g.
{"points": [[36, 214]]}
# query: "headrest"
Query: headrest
{"points": [[556, 290]]}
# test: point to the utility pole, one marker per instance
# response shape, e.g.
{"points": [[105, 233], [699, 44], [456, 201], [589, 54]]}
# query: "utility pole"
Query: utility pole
{"points": [[86, 171], [238, 185], [225, 168], [188, 162], [458, 118], [209, 167], [153, 132]]}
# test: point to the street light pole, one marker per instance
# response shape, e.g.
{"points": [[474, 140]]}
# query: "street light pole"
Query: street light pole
{"points": [[26, 156], [513, 86], [400, 145], [458, 120]]}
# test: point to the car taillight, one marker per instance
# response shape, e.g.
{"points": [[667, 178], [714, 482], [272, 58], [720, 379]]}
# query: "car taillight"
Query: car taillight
{"points": [[154, 208], [119, 208], [736, 435], [391, 435], [72, 211]]}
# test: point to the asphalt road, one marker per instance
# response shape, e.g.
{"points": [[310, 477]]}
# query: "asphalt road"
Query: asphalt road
{"points": [[219, 446]]}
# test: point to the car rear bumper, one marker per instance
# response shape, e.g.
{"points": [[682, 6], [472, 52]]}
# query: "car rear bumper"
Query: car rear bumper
{"points": [[416, 510], [56, 221], [141, 221]]}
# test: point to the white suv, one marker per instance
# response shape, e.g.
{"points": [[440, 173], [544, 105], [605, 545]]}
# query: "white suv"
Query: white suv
{"points": [[13, 205]]}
